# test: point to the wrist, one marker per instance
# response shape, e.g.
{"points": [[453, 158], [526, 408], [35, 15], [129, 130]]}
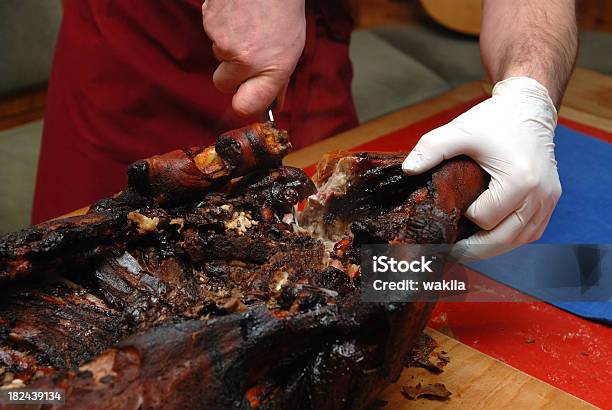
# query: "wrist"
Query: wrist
{"points": [[544, 80], [528, 88]]}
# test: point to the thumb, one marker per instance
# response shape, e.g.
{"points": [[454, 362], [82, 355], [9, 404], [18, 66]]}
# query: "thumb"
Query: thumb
{"points": [[442, 143], [256, 94]]}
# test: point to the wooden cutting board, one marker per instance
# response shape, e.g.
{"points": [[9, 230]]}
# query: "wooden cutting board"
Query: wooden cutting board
{"points": [[478, 381]]}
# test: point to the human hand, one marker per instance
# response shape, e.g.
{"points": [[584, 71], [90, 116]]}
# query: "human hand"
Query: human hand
{"points": [[258, 44], [510, 136]]}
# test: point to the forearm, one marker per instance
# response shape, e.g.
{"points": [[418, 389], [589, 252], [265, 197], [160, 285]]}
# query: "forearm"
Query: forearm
{"points": [[537, 39]]}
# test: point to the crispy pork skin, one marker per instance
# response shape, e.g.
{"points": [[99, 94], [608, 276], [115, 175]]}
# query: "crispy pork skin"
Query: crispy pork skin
{"points": [[253, 147], [194, 287], [182, 175]]}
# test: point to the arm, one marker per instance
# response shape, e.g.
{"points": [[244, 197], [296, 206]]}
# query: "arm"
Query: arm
{"points": [[258, 44], [528, 48], [536, 39]]}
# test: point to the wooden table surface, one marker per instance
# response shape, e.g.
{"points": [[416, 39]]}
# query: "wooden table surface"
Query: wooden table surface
{"points": [[476, 379], [479, 381]]}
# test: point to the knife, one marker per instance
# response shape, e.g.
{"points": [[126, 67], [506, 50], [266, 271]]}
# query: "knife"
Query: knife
{"points": [[270, 113]]}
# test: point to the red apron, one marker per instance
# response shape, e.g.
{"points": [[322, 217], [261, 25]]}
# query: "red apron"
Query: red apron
{"points": [[133, 78]]}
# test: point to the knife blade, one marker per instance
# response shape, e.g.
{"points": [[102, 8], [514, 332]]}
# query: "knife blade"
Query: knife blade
{"points": [[270, 113]]}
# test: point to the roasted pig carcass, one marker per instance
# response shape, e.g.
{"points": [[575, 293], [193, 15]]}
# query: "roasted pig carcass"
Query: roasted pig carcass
{"points": [[195, 288]]}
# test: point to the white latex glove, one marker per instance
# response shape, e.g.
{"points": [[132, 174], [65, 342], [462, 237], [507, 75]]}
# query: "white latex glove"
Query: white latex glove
{"points": [[258, 44], [510, 136]]}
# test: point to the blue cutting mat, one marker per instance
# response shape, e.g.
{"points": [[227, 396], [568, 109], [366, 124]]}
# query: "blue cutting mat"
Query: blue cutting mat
{"points": [[583, 216]]}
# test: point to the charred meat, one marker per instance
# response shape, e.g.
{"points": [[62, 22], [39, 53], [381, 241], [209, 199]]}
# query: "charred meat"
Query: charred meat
{"points": [[194, 287], [182, 175], [368, 194]]}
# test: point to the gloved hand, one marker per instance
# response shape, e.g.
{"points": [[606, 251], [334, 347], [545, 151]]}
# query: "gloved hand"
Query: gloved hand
{"points": [[510, 136], [259, 44]]}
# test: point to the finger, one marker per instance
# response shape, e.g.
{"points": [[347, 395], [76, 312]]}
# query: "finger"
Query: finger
{"points": [[473, 249], [532, 226], [504, 237], [496, 203], [538, 234], [220, 54], [442, 143], [229, 76], [465, 252], [537, 225], [256, 94]]}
